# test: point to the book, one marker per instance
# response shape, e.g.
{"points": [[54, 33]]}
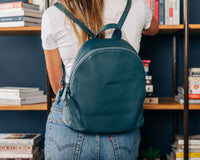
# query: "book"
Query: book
{"points": [[194, 72], [20, 94], [190, 155], [18, 24], [153, 7], [20, 12], [18, 149], [176, 12], [38, 156], [19, 139], [193, 139], [157, 10], [6, 1], [148, 2], [20, 18], [23, 101], [18, 89], [19, 4], [167, 6], [20, 154], [161, 12], [191, 101]]}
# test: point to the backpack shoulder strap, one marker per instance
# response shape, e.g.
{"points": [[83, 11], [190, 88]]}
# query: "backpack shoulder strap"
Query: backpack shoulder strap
{"points": [[78, 22], [125, 13]]}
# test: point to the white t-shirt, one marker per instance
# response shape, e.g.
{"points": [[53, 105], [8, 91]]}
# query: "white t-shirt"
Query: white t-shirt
{"points": [[57, 31]]}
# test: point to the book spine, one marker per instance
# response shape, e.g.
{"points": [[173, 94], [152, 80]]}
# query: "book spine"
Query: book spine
{"points": [[176, 16], [171, 13], [148, 2], [6, 1], [16, 149], [161, 12], [157, 10], [194, 96], [153, 7], [181, 141], [191, 155], [11, 5], [11, 19], [167, 2]]}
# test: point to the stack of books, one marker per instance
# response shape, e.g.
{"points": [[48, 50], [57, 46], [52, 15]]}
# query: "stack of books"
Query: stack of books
{"points": [[178, 148], [21, 96], [20, 146], [193, 88], [165, 11], [19, 14], [149, 86]]}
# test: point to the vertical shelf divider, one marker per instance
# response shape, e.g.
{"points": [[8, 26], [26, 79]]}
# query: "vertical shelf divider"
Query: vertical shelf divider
{"points": [[186, 52]]}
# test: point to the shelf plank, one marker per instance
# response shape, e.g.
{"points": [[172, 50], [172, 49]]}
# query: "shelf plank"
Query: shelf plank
{"points": [[32, 30], [194, 28], [169, 29], [168, 103], [36, 107], [163, 29], [165, 103]]}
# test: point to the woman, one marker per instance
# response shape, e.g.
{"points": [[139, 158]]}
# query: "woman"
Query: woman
{"points": [[61, 40]]}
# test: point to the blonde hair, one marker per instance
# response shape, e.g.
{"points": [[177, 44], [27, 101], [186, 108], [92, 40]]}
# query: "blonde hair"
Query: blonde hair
{"points": [[90, 12]]}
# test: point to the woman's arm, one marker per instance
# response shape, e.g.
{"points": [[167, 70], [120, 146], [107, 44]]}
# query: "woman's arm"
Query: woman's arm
{"points": [[153, 29], [54, 68]]}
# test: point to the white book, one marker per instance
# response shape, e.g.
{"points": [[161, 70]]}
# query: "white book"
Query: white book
{"points": [[23, 101], [18, 89], [19, 138], [18, 24], [167, 5], [20, 12], [11, 95], [176, 12]]}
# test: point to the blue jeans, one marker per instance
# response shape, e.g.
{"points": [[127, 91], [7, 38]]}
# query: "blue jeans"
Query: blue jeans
{"points": [[63, 143]]}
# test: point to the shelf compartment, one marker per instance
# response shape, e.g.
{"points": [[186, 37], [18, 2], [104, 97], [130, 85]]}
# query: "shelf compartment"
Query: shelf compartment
{"points": [[36, 107], [169, 29], [168, 103], [32, 30]]}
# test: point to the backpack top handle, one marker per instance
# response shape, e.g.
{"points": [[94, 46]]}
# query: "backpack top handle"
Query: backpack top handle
{"points": [[117, 32]]}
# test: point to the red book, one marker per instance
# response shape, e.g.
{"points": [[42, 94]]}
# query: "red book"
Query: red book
{"points": [[157, 10], [194, 96], [19, 4], [11, 5]]}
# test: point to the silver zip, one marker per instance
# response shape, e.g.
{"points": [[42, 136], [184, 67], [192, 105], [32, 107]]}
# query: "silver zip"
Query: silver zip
{"points": [[98, 49]]}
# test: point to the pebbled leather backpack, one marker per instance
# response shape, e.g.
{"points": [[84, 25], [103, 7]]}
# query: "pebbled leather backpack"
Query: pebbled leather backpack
{"points": [[106, 88]]}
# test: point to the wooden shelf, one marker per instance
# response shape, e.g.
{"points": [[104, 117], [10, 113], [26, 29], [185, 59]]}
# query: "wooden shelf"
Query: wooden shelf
{"points": [[169, 104], [20, 30], [163, 29], [166, 103], [36, 107], [169, 29], [194, 28]]}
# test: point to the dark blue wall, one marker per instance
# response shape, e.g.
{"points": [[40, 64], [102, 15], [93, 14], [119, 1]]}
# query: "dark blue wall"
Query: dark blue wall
{"points": [[22, 64]]}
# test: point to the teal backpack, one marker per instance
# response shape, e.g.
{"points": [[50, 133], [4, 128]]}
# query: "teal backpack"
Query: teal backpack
{"points": [[106, 88]]}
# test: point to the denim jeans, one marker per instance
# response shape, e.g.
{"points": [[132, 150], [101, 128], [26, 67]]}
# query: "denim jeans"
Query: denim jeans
{"points": [[63, 143]]}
